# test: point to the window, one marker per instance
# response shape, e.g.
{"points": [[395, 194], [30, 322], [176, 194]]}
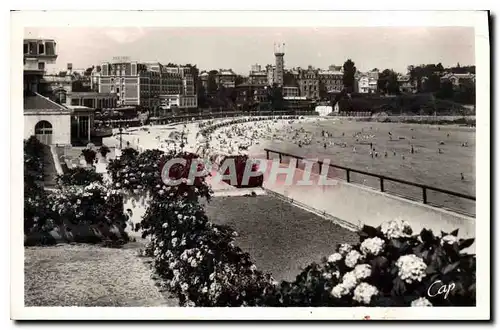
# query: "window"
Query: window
{"points": [[41, 49], [25, 49], [117, 90], [41, 66]]}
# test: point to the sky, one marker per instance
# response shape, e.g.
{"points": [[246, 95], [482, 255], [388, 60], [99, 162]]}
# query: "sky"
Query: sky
{"points": [[238, 48]]}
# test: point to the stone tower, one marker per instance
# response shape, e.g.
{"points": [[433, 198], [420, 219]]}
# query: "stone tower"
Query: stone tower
{"points": [[279, 54]]}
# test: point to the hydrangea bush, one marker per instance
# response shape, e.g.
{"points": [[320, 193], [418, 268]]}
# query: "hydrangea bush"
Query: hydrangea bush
{"points": [[79, 176], [200, 263], [93, 204], [390, 267]]}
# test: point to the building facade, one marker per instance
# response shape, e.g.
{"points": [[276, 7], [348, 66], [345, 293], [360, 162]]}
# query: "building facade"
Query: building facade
{"points": [[290, 91], [141, 84], [94, 100], [458, 78], [271, 74], [331, 81], [308, 80], [366, 82], [257, 76], [406, 85], [225, 78]]}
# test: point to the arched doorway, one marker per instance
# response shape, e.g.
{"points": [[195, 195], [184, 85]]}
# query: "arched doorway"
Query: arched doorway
{"points": [[43, 132]]}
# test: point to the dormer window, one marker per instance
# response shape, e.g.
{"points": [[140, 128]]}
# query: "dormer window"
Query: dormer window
{"points": [[41, 49], [25, 49]]}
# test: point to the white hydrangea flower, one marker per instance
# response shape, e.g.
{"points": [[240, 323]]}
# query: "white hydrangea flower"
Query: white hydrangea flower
{"points": [[349, 281], [449, 239], [339, 290], [344, 249], [352, 258], [327, 276], [411, 268], [363, 271], [421, 302], [190, 303], [364, 293], [335, 257], [184, 286], [372, 246], [396, 228]]}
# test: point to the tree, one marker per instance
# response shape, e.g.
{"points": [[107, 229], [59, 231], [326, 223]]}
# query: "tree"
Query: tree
{"points": [[446, 90], [88, 71], [432, 84], [275, 97], [211, 83], [388, 82], [239, 80], [349, 72]]}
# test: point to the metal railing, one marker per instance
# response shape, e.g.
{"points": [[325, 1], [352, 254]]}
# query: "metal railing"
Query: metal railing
{"points": [[382, 179]]}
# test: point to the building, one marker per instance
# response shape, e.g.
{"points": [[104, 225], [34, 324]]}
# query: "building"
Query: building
{"points": [[92, 100], [171, 103], [141, 84], [458, 78], [406, 85], [204, 80], [247, 93], [271, 74], [366, 82], [331, 81], [279, 56], [225, 78], [308, 80], [290, 91], [51, 122], [257, 76], [44, 118]]}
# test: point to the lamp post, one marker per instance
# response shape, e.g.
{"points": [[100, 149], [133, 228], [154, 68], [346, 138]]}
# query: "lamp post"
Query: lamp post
{"points": [[120, 130]]}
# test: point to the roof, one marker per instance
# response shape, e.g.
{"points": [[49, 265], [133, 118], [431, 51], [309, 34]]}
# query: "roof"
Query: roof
{"points": [[329, 72], [258, 73], [226, 72], [91, 94], [458, 75], [37, 102]]}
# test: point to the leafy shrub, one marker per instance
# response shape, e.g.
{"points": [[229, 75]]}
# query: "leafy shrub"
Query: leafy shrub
{"points": [[79, 176], [104, 150], [89, 155], [34, 193]]}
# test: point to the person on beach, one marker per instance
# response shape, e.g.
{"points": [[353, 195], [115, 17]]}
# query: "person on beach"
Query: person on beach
{"points": [[462, 176], [412, 150], [354, 149], [385, 154]]}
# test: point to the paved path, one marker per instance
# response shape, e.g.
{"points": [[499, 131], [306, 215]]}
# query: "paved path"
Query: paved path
{"points": [[89, 275]]}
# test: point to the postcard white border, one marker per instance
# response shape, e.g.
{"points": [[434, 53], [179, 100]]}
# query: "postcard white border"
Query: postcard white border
{"points": [[478, 20]]}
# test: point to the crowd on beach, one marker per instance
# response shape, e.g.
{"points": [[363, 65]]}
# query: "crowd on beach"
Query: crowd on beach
{"points": [[243, 136]]}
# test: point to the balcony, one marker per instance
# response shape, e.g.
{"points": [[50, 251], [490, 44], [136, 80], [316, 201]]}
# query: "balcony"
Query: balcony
{"points": [[40, 49]]}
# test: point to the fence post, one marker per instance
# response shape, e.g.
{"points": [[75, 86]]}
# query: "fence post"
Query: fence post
{"points": [[267, 154], [280, 157], [424, 195], [381, 184], [347, 175]]}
